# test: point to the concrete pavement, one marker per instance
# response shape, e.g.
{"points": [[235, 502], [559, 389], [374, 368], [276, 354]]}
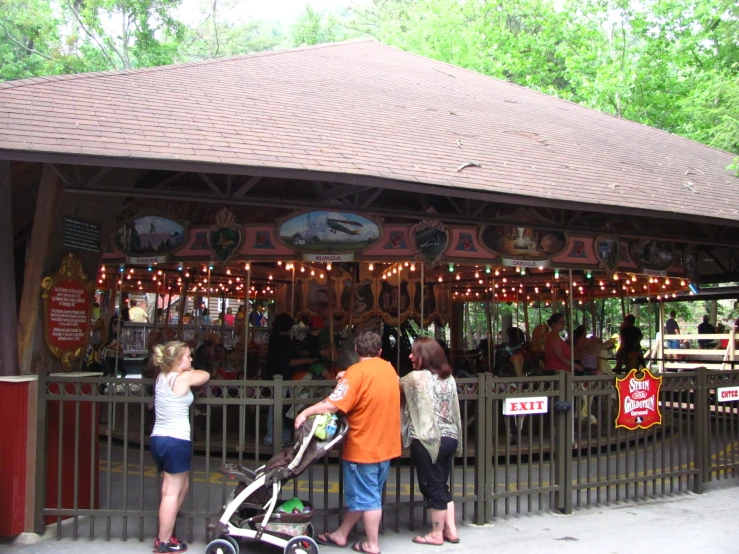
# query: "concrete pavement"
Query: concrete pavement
{"points": [[683, 523]]}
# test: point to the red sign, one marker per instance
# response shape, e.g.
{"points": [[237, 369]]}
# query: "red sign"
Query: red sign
{"points": [[638, 401], [68, 315]]}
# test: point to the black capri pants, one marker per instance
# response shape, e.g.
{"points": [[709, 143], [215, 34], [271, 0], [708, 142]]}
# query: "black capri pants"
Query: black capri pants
{"points": [[433, 478]]}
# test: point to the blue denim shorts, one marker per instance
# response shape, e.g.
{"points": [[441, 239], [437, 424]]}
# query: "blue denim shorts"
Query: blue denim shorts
{"points": [[171, 455], [363, 485]]}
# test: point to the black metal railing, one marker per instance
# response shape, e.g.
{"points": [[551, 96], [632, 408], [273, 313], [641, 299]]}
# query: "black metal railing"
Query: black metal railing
{"points": [[94, 470]]}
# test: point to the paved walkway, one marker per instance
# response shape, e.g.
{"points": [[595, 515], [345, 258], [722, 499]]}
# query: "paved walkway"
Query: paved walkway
{"points": [[686, 523]]}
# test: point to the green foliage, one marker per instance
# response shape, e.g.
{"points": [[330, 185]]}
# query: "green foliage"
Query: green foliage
{"points": [[314, 27], [30, 41]]}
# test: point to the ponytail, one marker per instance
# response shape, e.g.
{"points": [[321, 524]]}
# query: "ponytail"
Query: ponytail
{"points": [[164, 356]]}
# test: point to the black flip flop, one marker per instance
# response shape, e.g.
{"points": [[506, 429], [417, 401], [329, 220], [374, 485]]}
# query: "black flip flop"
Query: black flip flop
{"points": [[357, 547], [453, 541], [328, 541]]}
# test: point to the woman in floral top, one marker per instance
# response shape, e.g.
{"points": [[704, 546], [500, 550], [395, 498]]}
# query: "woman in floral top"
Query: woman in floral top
{"points": [[433, 430]]}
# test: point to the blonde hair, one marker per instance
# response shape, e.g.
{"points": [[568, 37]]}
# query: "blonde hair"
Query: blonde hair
{"points": [[165, 356]]}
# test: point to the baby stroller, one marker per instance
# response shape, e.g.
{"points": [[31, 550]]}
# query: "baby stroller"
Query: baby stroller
{"points": [[251, 512]]}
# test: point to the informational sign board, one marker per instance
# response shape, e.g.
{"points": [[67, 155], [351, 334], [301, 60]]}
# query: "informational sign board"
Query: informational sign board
{"points": [[67, 298], [728, 394], [638, 401], [526, 406], [81, 235], [68, 314]]}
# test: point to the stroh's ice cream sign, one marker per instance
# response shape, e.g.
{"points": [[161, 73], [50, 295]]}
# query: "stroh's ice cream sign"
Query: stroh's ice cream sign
{"points": [[638, 401]]}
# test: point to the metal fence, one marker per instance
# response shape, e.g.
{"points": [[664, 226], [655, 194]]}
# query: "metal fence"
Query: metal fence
{"points": [[94, 469]]}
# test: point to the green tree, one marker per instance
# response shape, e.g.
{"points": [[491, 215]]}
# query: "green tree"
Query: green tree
{"points": [[30, 41], [314, 27], [122, 34]]}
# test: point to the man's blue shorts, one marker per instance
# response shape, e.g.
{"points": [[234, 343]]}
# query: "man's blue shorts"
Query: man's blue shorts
{"points": [[673, 344], [363, 484], [171, 455]]}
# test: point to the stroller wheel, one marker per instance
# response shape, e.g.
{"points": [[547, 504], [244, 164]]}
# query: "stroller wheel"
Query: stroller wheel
{"points": [[220, 546], [301, 545], [232, 540], [309, 531]]}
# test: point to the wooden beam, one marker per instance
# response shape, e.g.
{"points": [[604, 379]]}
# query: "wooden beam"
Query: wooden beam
{"points": [[371, 198], [456, 206], [47, 206], [169, 179], [337, 193], [63, 177], [97, 177], [715, 259], [8, 335], [246, 187], [205, 177], [480, 206]]}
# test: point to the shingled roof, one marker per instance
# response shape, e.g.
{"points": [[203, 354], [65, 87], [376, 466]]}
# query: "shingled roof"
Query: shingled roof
{"points": [[364, 109]]}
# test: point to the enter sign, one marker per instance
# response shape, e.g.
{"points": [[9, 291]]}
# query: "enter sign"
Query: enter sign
{"points": [[728, 394]]}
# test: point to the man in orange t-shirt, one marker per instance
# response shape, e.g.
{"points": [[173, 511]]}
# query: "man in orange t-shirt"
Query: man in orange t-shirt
{"points": [[369, 395]]}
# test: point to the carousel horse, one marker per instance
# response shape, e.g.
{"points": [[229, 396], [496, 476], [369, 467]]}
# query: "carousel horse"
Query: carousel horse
{"points": [[526, 362]]}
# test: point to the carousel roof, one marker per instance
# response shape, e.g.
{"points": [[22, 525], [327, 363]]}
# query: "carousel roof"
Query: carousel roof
{"points": [[362, 112]]}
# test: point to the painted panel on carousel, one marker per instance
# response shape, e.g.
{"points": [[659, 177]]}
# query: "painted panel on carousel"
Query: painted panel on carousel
{"points": [[607, 249], [260, 241], [319, 299], [284, 297], [435, 302], [390, 300], [624, 259], [225, 236], [358, 299], [328, 232], [464, 244], [652, 254], [199, 242], [579, 250], [150, 238], [523, 243], [430, 240], [394, 243]]}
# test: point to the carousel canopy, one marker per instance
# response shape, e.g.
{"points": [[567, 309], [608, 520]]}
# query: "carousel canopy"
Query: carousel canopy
{"points": [[361, 112]]}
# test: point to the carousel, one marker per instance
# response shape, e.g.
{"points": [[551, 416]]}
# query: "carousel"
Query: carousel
{"points": [[347, 273]]}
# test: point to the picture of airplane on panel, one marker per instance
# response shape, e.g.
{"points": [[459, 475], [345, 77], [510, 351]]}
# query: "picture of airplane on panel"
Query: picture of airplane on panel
{"points": [[342, 226], [329, 231]]}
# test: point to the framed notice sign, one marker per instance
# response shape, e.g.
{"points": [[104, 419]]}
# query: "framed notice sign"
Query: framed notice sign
{"points": [[67, 298]]}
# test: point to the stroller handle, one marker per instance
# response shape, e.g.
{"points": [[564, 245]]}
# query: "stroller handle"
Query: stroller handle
{"points": [[343, 428]]}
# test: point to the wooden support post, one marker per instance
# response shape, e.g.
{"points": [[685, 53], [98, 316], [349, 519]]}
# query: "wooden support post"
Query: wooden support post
{"points": [[8, 336], [47, 205]]}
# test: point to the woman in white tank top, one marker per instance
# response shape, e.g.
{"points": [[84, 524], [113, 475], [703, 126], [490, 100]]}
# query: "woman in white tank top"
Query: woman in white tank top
{"points": [[170, 440]]}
